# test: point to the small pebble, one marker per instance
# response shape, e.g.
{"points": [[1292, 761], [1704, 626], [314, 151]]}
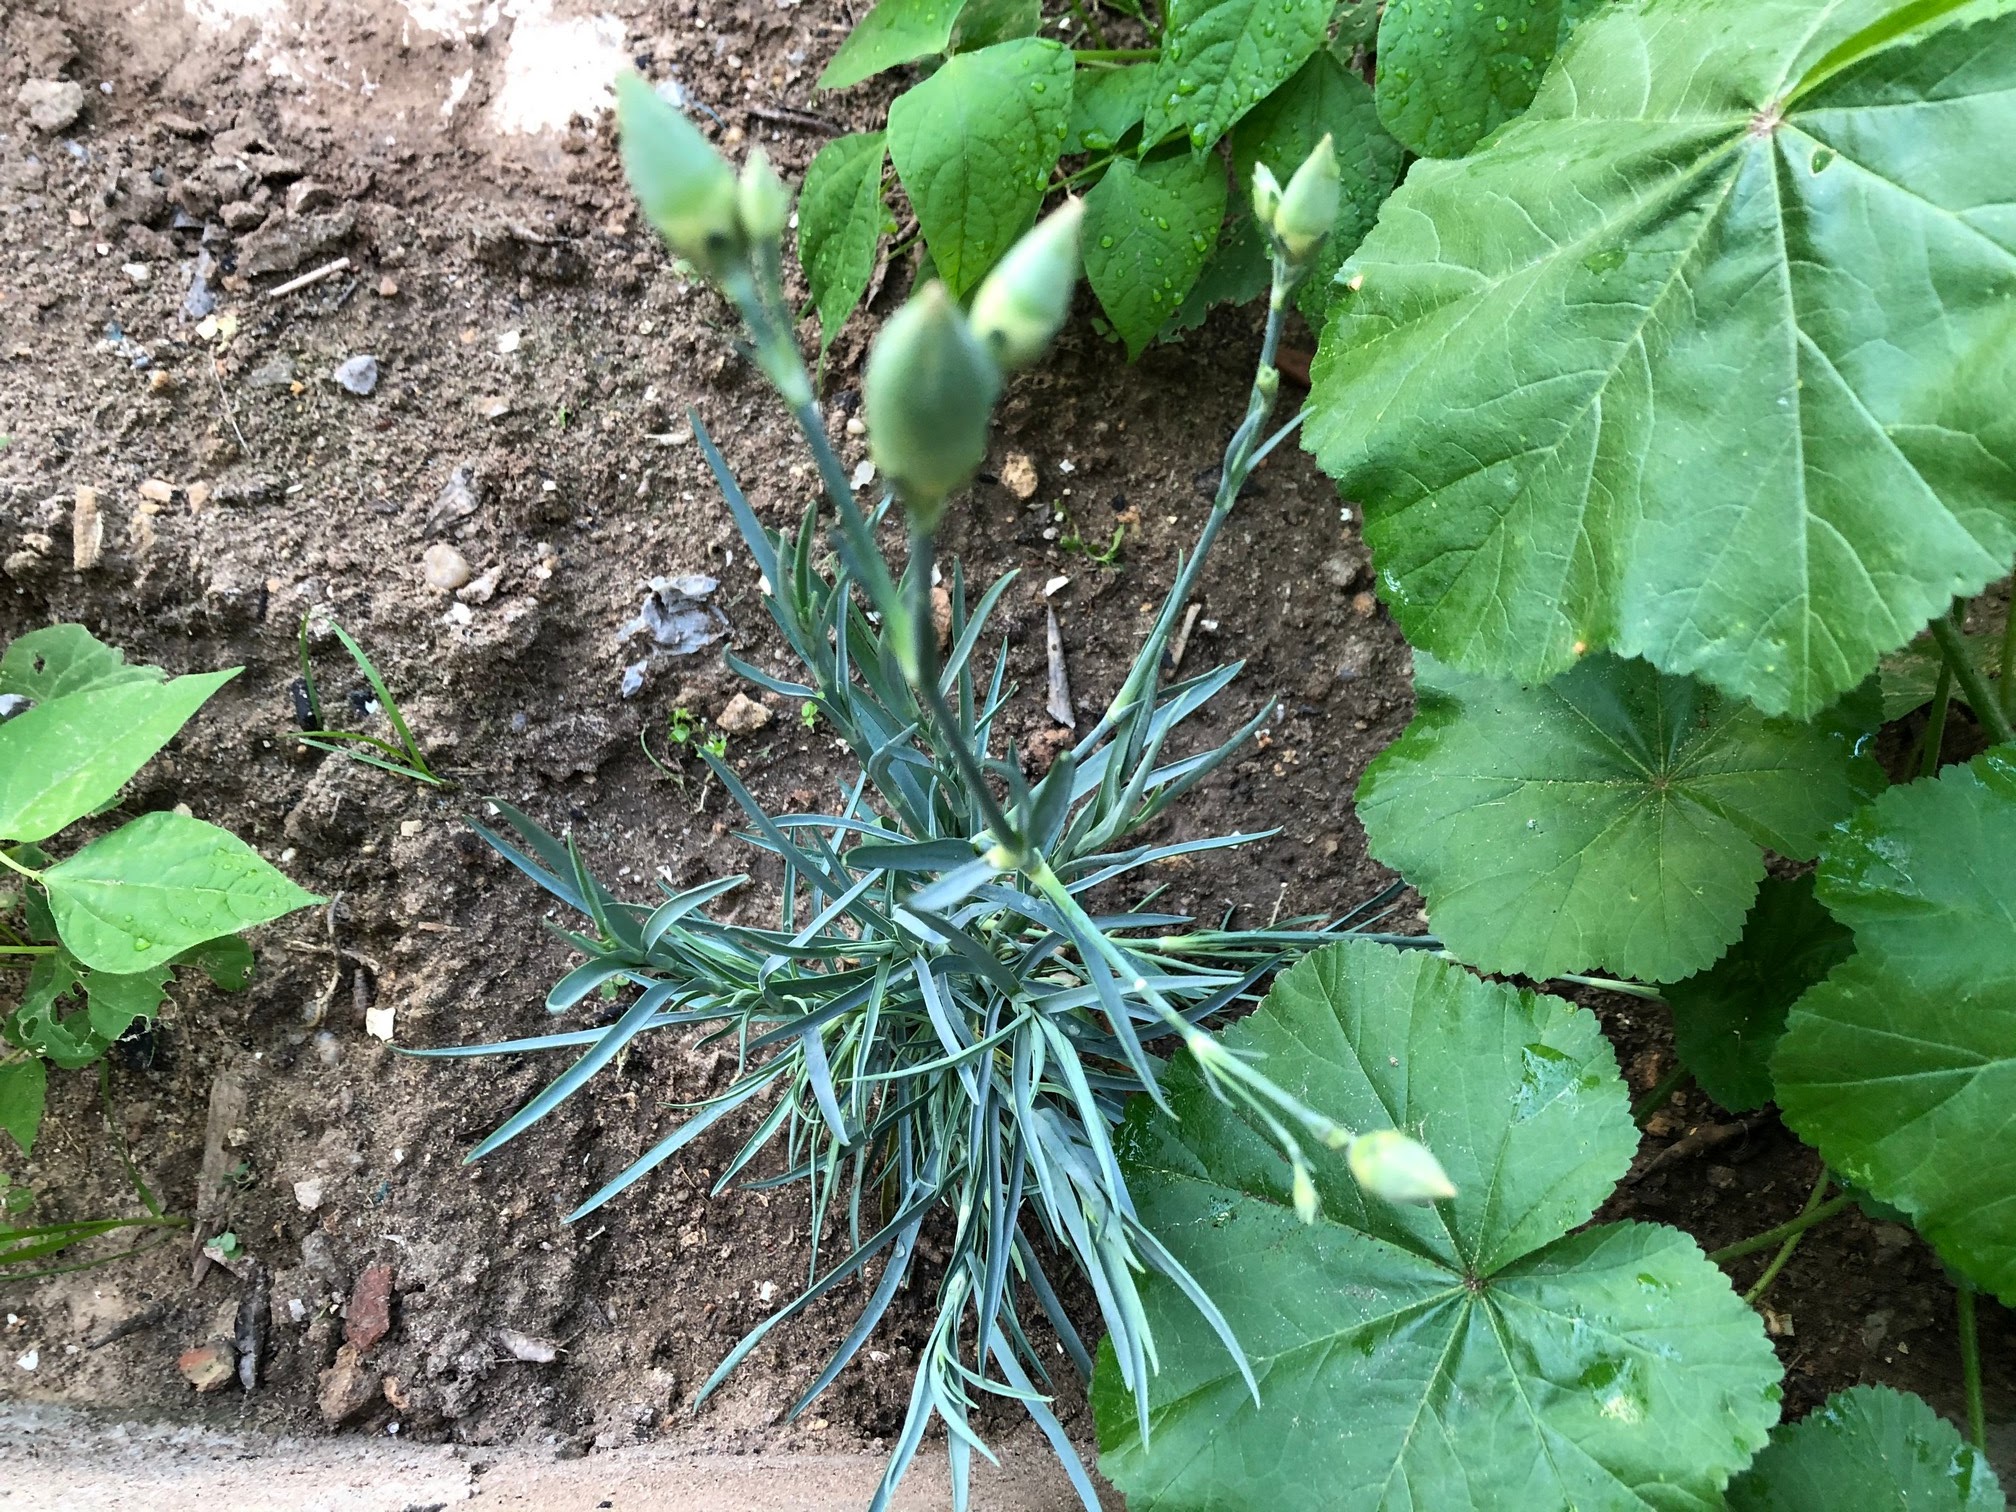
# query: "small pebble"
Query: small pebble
{"points": [[744, 716], [1018, 475], [358, 375], [388, 288], [446, 568], [308, 1193], [52, 104], [209, 1367]]}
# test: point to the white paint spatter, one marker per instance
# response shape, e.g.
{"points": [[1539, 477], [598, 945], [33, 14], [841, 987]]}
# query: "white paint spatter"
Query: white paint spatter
{"points": [[557, 67]]}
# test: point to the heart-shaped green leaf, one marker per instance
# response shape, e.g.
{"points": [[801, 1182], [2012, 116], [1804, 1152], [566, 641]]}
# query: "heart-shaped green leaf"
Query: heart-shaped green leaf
{"points": [[1614, 818], [67, 757], [1451, 71], [895, 31], [1871, 1447], [840, 218], [974, 145], [1148, 231], [1901, 1066], [1727, 1019], [1709, 358], [142, 895], [1473, 1354], [59, 660], [1223, 57]]}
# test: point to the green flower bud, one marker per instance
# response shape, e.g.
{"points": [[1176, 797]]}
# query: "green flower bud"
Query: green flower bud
{"points": [[1022, 303], [1308, 209], [1388, 1164], [762, 202], [1266, 195], [686, 190], [929, 392]]}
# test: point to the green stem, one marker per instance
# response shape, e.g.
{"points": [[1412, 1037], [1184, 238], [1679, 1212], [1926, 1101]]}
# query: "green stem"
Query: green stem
{"points": [[1763, 1282], [1784, 1231], [1970, 1365], [1091, 25], [1935, 724], [1661, 1094], [28, 950], [1115, 54], [2006, 668], [1973, 686], [27, 871], [1613, 984], [1090, 170]]}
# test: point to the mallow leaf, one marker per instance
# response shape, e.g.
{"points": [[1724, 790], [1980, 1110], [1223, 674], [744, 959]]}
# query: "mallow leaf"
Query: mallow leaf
{"points": [[1709, 358], [840, 217], [1223, 57], [1868, 1447], [67, 757], [58, 660], [974, 145], [1323, 99], [151, 889], [1901, 1066], [1614, 818], [1727, 1019], [1148, 231], [1471, 1355], [895, 31], [1451, 71]]}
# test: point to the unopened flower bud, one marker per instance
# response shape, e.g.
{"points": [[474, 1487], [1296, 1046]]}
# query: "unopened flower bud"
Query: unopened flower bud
{"points": [[1388, 1164], [762, 202], [1308, 1207], [1022, 304], [686, 190], [1266, 195], [1308, 209], [929, 392]]}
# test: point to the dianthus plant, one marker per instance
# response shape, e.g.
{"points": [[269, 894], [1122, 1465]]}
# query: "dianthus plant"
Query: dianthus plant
{"points": [[940, 1031]]}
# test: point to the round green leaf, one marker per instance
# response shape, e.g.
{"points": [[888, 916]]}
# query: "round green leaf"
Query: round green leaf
{"points": [[1901, 1066], [840, 218], [1470, 1355], [1868, 1447], [1612, 818], [70, 756], [1727, 1019], [1148, 231], [974, 145], [1223, 57], [1707, 358], [151, 889], [1450, 71]]}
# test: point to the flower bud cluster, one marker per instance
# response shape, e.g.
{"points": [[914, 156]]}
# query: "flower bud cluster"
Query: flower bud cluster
{"points": [[1300, 217]]}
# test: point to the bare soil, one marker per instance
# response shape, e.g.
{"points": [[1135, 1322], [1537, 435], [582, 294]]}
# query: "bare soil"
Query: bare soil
{"points": [[531, 338]]}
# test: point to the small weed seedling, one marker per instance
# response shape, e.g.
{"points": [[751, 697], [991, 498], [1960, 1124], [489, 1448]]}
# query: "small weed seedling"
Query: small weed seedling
{"points": [[403, 759], [942, 1026]]}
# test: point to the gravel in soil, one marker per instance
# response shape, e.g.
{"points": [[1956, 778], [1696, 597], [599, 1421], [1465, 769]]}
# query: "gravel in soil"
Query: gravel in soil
{"points": [[469, 445]]}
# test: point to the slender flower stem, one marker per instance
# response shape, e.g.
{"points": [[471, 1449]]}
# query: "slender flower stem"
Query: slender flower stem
{"points": [[1973, 686], [1763, 1282], [1970, 1365], [1784, 1231]]}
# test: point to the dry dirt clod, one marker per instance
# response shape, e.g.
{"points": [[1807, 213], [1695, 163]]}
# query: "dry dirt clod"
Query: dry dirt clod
{"points": [[87, 530], [357, 375], [744, 716], [347, 1387], [209, 1367], [1018, 475], [306, 197], [53, 105], [368, 1318], [446, 568]]}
